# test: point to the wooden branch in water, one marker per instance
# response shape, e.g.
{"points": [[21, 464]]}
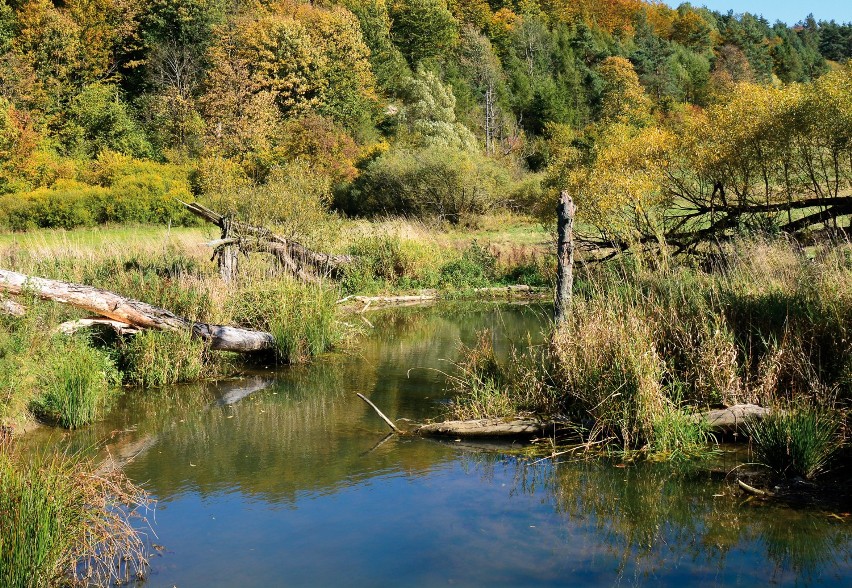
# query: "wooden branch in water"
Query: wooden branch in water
{"points": [[380, 413], [752, 489], [133, 312], [485, 428]]}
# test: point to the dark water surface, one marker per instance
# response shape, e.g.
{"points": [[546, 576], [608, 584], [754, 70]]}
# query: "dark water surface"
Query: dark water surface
{"points": [[282, 480]]}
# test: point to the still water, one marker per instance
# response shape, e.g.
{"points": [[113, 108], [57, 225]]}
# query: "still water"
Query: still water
{"points": [[282, 478]]}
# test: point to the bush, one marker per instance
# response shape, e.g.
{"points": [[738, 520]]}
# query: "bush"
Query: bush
{"points": [[476, 268], [438, 181], [115, 189]]}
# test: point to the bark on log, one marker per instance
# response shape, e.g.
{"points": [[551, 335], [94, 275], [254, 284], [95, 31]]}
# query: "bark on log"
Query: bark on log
{"points": [[484, 428], [134, 312]]}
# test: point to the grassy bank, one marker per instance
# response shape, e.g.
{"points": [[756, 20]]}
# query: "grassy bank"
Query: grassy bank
{"points": [[71, 380], [64, 523], [650, 342]]}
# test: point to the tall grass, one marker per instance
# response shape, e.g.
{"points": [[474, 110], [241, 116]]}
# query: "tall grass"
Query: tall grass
{"points": [[62, 522], [302, 318], [648, 343], [74, 382], [797, 441], [155, 358]]}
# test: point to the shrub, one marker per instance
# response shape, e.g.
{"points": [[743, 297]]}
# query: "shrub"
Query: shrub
{"points": [[475, 268], [438, 181]]}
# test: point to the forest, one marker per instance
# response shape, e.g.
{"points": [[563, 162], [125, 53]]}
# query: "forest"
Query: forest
{"points": [[337, 156], [112, 110]]}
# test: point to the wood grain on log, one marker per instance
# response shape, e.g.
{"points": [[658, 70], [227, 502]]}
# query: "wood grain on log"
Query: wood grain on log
{"points": [[134, 312], [485, 428]]}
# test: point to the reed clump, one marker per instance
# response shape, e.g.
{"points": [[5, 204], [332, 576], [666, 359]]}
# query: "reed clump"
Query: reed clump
{"points": [[798, 440], [302, 318], [649, 343], [63, 523], [74, 381]]}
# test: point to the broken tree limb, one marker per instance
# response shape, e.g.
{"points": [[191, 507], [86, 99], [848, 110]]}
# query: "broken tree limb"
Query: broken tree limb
{"points": [[565, 257], [378, 412], [133, 312], [304, 263], [120, 328], [11, 307]]}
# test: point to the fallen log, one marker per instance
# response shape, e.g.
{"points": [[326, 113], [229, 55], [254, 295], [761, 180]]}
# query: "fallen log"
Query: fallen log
{"points": [[485, 428], [301, 261], [120, 328], [731, 421], [11, 307], [135, 313], [725, 422]]}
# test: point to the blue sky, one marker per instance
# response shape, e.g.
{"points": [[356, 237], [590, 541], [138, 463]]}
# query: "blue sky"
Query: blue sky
{"points": [[789, 11]]}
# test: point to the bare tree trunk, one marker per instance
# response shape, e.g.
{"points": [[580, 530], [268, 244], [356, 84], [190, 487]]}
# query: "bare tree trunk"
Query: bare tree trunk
{"points": [[228, 255], [135, 313], [565, 255]]}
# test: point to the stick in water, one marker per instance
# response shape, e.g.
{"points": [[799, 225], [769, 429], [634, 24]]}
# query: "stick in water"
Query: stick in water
{"points": [[378, 412]]}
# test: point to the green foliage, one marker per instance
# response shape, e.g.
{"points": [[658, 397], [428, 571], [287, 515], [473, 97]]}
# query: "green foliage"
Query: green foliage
{"points": [[429, 116], [57, 515], [796, 440], [74, 380], [422, 28], [155, 358], [100, 120], [476, 268], [118, 189], [442, 182]]}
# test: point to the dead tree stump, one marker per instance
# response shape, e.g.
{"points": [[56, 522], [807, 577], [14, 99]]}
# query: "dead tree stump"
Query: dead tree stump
{"points": [[565, 256]]}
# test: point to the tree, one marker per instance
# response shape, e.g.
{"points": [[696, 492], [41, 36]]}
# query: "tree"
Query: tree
{"points": [[100, 120], [422, 28], [429, 117], [623, 99]]}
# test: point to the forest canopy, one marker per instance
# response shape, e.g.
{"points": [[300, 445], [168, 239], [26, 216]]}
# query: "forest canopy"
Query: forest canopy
{"points": [[110, 110]]}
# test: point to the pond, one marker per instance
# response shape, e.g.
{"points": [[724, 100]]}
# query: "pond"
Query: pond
{"points": [[286, 478]]}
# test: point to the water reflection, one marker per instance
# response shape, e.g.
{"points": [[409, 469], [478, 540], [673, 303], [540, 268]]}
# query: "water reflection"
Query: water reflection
{"points": [[286, 478]]}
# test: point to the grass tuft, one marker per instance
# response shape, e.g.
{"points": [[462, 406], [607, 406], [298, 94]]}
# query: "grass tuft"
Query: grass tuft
{"points": [[62, 522], [798, 441]]}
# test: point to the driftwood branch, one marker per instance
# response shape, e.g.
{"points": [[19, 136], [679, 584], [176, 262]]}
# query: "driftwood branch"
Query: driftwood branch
{"points": [[133, 312], [378, 412]]}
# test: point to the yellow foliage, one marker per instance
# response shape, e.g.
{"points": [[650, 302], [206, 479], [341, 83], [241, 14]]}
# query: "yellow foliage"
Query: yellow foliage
{"points": [[620, 190]]}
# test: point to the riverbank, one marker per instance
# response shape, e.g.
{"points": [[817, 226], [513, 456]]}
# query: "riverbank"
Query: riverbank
{"points": [[651, 342], [71, 380]]}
